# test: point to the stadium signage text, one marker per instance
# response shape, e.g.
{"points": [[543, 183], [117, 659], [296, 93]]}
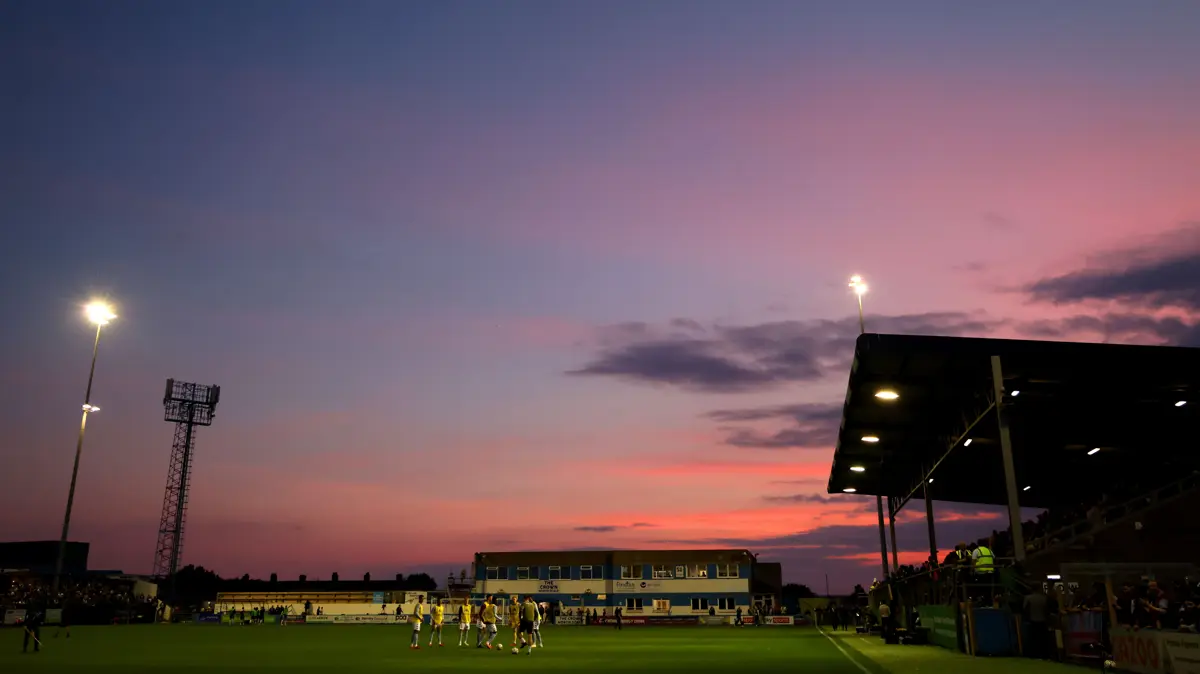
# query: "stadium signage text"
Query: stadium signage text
{"points": [[567, 620], [637, 585], [1151, 652], [778, 620], [548, 586]]}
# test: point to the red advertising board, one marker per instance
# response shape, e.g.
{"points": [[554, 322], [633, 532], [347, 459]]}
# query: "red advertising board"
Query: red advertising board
{"points": [[1137, 651], [778, 620]]}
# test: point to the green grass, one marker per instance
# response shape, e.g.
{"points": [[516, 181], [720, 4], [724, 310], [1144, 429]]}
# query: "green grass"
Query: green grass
{"points": [[383, 649], [334, 649]]}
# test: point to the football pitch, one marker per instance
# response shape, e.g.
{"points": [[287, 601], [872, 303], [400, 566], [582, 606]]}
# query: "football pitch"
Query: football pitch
{"points": [[333, 649]]}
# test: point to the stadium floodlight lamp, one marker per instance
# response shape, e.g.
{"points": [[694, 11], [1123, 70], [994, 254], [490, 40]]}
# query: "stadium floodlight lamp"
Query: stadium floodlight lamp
{"points": [[870, 438], [90, 408], [1093, 451], [858, 469], [1016, 393], [886, 395], [931, 480], [849, 490], [856, 282], [1053, 576], [1181, 403], [968, 442], [1027, 488], [99, 313]]}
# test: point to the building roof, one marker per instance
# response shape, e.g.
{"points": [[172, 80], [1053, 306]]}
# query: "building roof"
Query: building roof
{"points": [[618, 557], [1072, 398]]}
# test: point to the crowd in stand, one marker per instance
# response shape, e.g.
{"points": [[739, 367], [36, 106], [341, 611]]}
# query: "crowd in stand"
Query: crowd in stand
{"points": [[1146, 604], [90, 600]]}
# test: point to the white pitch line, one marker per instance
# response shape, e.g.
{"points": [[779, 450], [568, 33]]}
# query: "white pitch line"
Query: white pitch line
{"points": [[838, 646]]}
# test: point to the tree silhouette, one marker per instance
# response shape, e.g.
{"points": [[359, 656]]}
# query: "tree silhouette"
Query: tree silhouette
{"points": [[421, 582]]}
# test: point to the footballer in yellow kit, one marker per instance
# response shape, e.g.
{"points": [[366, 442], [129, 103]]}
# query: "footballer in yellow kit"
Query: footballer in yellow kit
{"points": [[418, 614], [514, 619], [437, 616], [464, 623], [487, 616]]}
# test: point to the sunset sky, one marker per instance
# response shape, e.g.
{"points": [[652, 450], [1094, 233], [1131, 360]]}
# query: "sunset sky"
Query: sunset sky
{"points": [[513, 275]]}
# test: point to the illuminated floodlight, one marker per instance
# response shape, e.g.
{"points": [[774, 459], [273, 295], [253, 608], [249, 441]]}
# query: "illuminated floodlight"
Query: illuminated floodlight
{"points": [[870, 438], [931, 480], [858, 469], [1027, 488], [886, 395], [99, 313], [1053, 576], [1093, 451], [968, 442], [90, 408], [1181, 403], [1016, 393], [849, 490], [856, 282]]}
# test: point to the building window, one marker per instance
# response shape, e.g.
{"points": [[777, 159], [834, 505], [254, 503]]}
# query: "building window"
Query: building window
{"points": [[662, 605], [633, 603], [493, 573], [697, 571], [699, 604], [554, 573], [522, 573], [591, 573], [631, 572], [727, 571], [726, 604], [662, 571]]}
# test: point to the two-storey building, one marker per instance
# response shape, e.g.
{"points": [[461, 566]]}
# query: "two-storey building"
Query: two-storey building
{"points": [[641, 582]]}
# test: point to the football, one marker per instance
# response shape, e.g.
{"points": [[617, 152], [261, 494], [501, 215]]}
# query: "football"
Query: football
{"points": [[499, 645], [514, 650]]}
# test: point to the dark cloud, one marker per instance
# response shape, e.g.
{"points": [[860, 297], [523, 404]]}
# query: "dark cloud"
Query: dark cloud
{"points": [[609, 528], [996, 221], [816, 426], [1117, 327], [756, 357], [803, 498], [1166, 277]]}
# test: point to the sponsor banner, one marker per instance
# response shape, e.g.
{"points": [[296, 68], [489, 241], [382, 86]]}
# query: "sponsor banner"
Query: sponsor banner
{"points": [[294, 618], [610, 620], [1152, 652], [1137, 651], [1181, 651], [714, 620], [1083, 627], [14, 616], [54, 616], [568, 620], [365, 619], [674, 620], [637, 585], [319, 619], [379, 598], [778, 620], [548, 586], [942, 623], [208, 618]]}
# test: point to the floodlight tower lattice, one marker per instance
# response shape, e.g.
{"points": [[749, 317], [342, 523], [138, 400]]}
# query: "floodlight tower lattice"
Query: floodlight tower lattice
{"points": [[187, 405]]}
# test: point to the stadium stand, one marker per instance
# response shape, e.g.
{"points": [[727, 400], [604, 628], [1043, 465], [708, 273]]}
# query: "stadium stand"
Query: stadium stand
{"points": [[1094, 435]]}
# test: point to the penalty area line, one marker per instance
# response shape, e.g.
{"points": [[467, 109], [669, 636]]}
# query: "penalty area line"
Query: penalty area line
{"points": [[838, 646]]}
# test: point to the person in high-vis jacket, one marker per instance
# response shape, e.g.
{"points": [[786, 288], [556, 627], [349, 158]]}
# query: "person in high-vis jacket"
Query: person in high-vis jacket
{"points": [[983, 565]]}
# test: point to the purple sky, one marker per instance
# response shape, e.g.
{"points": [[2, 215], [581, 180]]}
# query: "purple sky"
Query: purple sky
{"points": [[540, 274]]}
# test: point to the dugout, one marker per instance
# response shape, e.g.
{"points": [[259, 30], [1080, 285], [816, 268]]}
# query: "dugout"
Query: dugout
{"points": [[1016, 423]]}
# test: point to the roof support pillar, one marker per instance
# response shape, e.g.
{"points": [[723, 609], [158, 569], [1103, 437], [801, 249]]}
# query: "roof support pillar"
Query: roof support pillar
{"points": [[1010, 473], [892, 527], [933, 547], [882, 537]]}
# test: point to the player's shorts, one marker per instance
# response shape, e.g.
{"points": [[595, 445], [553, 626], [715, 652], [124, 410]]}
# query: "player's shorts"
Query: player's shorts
{"points": [[490, 627], [416, 626], [464, 627], [438, 624], [525, 626], [537, 625]]}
